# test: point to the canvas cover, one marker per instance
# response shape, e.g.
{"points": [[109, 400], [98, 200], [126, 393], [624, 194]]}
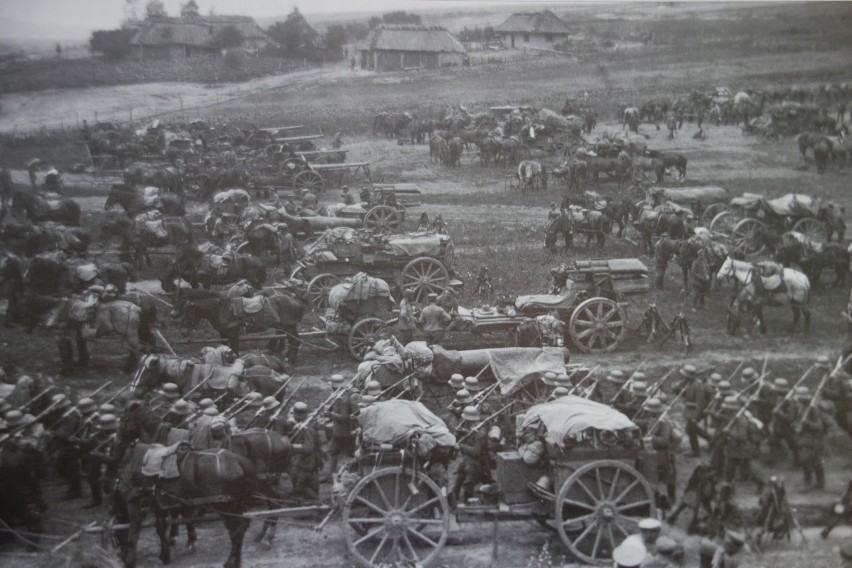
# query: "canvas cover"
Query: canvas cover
{"points": [[394, 421], [707, 194], [232, 196], [151, 196], [551, 301], [514, 367], [362, 287], [570, 415], [416, 244], [794, 205]]}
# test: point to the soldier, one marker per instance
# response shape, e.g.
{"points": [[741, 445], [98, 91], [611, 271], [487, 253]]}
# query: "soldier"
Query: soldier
{"points": [[637, 393], [266, 416], [774, 515], [433, 319], [748, 376], [454, 410], [660, 434], [306, 460], [309, 200], [811, 428], [483, 283], [649, 531], [726, 555], [553, 213], [200, 431], [838, 390], [347, 196], [613, 383], [373, 388], [474, 467], [88, 410], [247, 417], [220, 433], [165, 397], [842, 510], [559, 392], [628, 555], [695, 400], [456, 382], [737, 435], [559, 278], [99, 454], [407, 323], [341, 445], [177, 415], [668, 555], [64, 422], [724, 513], [700, 272], [782, 416]]}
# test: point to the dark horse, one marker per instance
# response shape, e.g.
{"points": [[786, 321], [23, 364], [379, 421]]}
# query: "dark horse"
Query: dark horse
{"points": [[832, 255], [38, 209], [220, 313], [198, 268], [220, 477]]}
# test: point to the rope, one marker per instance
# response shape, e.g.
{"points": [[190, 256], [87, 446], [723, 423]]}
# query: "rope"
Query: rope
{"points": [[18, 535]]}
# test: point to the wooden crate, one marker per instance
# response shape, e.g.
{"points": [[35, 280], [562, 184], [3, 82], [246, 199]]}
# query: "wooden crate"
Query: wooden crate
{"points": [[513, 476]]}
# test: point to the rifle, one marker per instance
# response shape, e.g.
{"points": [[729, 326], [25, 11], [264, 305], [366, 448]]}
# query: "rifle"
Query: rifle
{"points": [[301, 426], [239, 401], [792, 390], [36, 418], [801, 421], [657, 386], [46, 390], [485, 393], [74, 407], [484, 421], [278, 411], [247, 402], [583, 380], [192, 417], [260, 410], [393, 386], [196, 387], [626, 383], [665, 412], [747, 403], [116, 395]]}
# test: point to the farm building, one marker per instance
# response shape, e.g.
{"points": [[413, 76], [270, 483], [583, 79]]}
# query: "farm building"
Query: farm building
{"points": [[533, 30], [390, 48], [173, 38]]}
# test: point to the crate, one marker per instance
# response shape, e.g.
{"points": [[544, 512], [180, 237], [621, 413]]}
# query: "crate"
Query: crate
{"points": [[513, 476], [346, 250]]}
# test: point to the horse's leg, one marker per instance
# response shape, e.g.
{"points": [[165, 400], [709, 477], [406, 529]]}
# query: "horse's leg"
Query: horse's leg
{"points": [[234, 342], [161, 525], [236, 526], [191, 535], [795, 310], [136, 514]]}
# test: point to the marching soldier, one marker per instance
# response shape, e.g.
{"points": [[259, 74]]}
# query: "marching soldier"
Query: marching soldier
{"points": [[266, 416], [610, 394], [737, 436], [101, 465], [64, 422], [456, 382], [781, 422], [177, 416], [200, 431], [637, 393], [695, 399], [341, 445], [748, 376], [454, 410], [307, 457], [165, 397], [474, 466], [248, 417], [661, 435], [838, 390], [88, 410], [811, 428]]}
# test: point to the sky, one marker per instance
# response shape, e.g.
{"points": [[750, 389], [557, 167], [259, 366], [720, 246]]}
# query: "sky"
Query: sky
{"points": [[49, 17]]}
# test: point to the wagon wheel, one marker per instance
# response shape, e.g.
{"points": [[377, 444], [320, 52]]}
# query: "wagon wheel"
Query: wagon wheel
{"points": [[744, 236], [710, 212], [318, 289], [532, 393], [309, 179], [723, 224], [382, 218], [597, 325], [364, 334], [423, 276], [599, 505], [813, 228], [405, 516]]}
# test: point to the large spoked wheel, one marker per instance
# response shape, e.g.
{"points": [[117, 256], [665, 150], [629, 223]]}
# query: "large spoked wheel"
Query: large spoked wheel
{"points": [[382, 218], [597, 325], [710, 212], [395, 517], [598, 506], [723, 224], [423, 276], [532, 393], [813, 228], [364, 334], [318, 289], [745, 236], [310, 180]]}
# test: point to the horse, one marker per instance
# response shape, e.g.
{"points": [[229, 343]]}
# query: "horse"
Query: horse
{"points": [[455, 147], [489, 149], [813, 258], [20, 491], [670, 160], [734, 270], [753, 297], [437, 149], [220, 313], [559, 225], [688, 252], [199, 269], [218, 476], [649, 223], [63, 210], [266, 238], [532, 175], [391, 124], [595, 224], [616, 168], [641, 164], [132, 201]]}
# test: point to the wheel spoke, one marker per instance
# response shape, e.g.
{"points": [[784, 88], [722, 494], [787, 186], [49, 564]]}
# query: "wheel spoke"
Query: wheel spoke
{"points": [[366, 520], [423, 505], [396, 489], [611, 536], [599, 482], [586, 532], [371, 505], [624, 493], [382, 494], [620, 528], [422, 537], [379, 548], [579, 520], [644, 503], [368, 536], [574, 503], [614, 486], [597, 542], [587, 490], [585, 333], [414, 555]]}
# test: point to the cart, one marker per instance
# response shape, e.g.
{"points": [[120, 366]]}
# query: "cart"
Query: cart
{"points": [[384, 209], [421, 262], [705, 202], [359, 313], [747, 216]]}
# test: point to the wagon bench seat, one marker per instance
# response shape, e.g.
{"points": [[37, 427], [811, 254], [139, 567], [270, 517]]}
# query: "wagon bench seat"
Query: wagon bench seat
{"points": [[626, 266]]}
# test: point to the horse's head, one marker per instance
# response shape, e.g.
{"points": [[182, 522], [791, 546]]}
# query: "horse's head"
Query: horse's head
{"points": [[726, 271]]}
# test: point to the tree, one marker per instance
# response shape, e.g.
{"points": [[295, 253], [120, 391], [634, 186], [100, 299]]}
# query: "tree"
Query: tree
{"points": [[357, 30], [335, 38], [189, 10], [113, 44], [295, 35], [229, 36], [155, 9], [58, 50], [400, 17], [374, 21]]}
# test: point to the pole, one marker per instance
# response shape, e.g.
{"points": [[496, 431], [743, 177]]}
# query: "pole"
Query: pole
{"points": [[163, 339], [162, 301], [46, 390], [484, 422], [627, 382], [277, 413]]}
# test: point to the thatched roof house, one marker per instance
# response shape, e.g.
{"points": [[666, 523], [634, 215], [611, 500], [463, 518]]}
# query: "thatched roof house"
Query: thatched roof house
{"points": [[535, 30], [390, 48], [194, 36]]}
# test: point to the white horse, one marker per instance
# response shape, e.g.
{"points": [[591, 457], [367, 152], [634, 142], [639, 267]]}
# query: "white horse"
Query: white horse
{"points": [[740, 272]]}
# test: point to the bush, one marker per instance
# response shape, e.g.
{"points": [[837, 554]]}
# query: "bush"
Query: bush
{"points": [[114, 44]]}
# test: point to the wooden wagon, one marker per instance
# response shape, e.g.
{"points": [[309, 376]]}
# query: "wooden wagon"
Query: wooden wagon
{"points": [[748, 215], [384, 208], [705, 202], [359, 313]]}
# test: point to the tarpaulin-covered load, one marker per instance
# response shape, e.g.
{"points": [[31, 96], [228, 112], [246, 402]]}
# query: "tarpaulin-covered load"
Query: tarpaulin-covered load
{"points": [[569, 417], [515, 367], [394, 421], [554, 301], [320, 249], [362, 287], [470, 362], [416, 244], [232, 196], [152, 196], [706, 194], [794, 205], [746, 200]]}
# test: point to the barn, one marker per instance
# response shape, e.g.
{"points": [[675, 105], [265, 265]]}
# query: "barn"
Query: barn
{"points": [[393, 48], [194, 36], [533, 30]]}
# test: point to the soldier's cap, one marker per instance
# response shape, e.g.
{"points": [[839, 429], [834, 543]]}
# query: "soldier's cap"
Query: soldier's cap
{"points": [[170, 390], [270, 402], [824, 362], [471, 384], [735, 536], [60, 402], [463, 396], [205, 403], [494, 433], [666, 545], [106, 408], [780, 385], [628, 555], [456, 381], [336, 380], [725, 388], [802, 393], [638, 387], [653, 405], [560, 391], [749, 373], [374, 388], [639, 376], [689, 371], [616, 376], [14, 418], [716, 378], [650, 524], [107, 422], [211, 411], [180, 407], [300, 409], [86, 406], [731, 403], [254, 399], [471, 414]]}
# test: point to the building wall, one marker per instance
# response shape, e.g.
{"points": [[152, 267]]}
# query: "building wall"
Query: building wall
{"points": [[387, 60], [532, 40]]}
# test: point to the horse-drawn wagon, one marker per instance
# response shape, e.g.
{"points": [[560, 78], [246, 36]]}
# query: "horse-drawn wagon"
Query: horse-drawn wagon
{"points": [[383, 207], [705, 202], [750, 214], [359, 313], [421, 262]]}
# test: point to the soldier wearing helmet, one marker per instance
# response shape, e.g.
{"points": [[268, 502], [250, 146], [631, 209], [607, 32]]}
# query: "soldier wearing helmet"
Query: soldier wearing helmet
{"points": [[307, 454], [341, 444]]}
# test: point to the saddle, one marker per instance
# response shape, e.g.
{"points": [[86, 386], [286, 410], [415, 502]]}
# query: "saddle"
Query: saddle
{"points": [[773, 284], [254, 304], [161, 461]]}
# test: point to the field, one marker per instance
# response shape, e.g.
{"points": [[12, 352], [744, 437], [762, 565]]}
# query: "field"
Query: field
{"points": [[696, 48]]}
